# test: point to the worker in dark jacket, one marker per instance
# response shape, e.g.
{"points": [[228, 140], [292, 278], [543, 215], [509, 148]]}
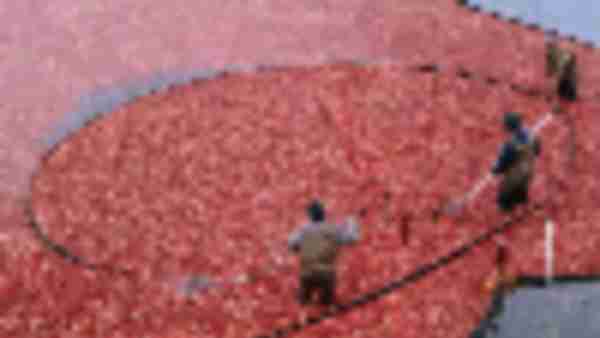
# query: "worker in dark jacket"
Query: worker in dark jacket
{"points": [[516, 164], [317, 243], [562, 64]]}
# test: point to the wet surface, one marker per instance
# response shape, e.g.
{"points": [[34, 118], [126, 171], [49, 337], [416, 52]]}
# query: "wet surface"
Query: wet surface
{"points": [[568, 307], [569, 17]]}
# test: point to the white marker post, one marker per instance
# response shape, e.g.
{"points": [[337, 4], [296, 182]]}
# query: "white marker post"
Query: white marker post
{"points": [[549, 251]]}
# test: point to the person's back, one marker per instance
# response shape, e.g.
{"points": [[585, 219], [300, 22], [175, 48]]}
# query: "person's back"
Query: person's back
{"points": [[317, 243], [319, 248], [516, 164], [524, 145]]}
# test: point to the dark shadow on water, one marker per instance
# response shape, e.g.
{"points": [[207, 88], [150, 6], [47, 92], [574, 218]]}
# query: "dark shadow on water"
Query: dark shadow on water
{"points": [[104, 100], [568, 307]]}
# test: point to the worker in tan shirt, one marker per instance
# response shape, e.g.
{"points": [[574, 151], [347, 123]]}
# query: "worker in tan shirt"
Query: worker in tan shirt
{"points": [[317, 243]]}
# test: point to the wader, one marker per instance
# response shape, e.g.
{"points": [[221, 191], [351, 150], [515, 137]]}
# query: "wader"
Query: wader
{"points": [[318, 253], [514, 188]]}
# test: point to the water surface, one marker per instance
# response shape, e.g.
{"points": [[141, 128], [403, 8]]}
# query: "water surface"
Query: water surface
{"points": [[580, 17]]}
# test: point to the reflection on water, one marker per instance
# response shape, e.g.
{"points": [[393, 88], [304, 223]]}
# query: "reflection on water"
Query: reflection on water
{"points": [[579, 17]]}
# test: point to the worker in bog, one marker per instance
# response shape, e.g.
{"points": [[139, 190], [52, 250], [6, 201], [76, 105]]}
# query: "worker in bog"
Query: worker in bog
{"points": [[317, 242], [562, 65], [516, 164]]}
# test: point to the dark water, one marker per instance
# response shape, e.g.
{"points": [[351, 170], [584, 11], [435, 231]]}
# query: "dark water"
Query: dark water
{"points": [[578, 17], [563, 309]]}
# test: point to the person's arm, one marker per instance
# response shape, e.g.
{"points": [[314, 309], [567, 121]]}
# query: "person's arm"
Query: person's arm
{"points": [[505, 159], [349, 233], [295, 238]]}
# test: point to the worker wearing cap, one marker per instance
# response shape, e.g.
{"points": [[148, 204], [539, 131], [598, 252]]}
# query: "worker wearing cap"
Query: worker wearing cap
{"points": [[516, 163], [317, 243]]}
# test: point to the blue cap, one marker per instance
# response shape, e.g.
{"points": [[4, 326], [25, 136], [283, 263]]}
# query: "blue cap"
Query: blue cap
{"points": [[512, 121], [316, 211]]}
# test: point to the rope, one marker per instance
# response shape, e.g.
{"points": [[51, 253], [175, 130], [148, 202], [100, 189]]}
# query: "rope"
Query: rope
{"points": [[63, 251], [419, 273], [68, 255]]}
